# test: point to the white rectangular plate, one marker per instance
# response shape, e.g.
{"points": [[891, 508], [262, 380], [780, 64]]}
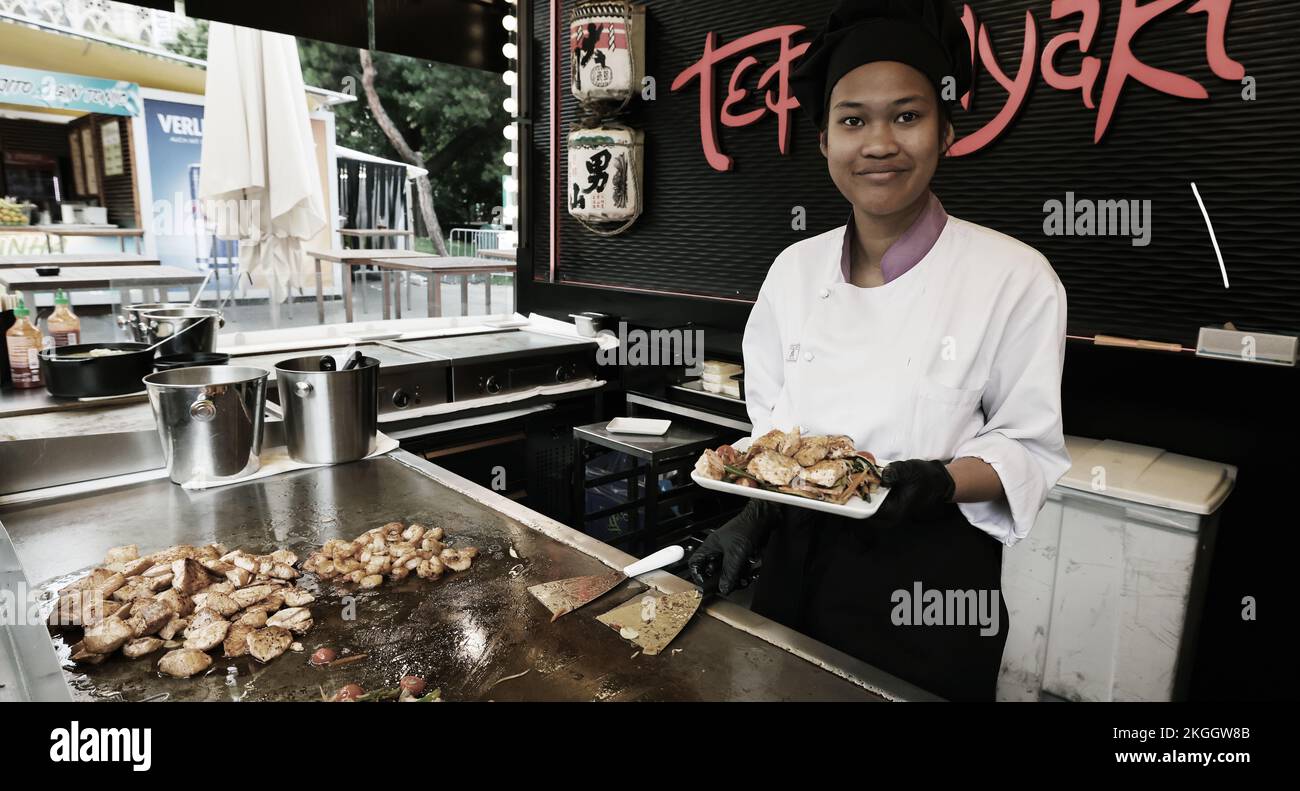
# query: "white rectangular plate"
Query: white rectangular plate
{"points": [[855, 508], [638, 425]]}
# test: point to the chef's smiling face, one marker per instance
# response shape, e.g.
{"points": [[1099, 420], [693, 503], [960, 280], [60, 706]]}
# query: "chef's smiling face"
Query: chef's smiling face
{"points": [[884, 136]]}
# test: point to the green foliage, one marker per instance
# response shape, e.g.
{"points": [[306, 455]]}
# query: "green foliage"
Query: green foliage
{"points": [[451, 116]]}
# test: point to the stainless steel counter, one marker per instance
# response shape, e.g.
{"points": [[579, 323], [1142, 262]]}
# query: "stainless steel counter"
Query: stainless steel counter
{"points": [[467, 633]]}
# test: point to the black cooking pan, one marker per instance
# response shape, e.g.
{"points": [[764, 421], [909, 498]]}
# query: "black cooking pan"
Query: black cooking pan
{"points": [[69, 371]]}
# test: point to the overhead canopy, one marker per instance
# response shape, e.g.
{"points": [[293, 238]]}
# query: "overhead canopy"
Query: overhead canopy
{"points": [[71, 52], [346, 153]]}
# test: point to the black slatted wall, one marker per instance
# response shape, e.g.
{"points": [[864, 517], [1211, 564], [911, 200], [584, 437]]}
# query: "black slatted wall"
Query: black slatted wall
{"points": [[715, 234]]}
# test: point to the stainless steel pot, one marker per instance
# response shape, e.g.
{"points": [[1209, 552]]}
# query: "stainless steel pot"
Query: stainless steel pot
{"points": [[130, 319], [210, 420], [330, 416], [165, 323]]}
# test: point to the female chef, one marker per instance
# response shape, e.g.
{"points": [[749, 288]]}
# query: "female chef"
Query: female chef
{"points": [[931, 341]]}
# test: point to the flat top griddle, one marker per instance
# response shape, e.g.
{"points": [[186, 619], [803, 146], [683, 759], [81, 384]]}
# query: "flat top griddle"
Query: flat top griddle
{"points": [[467, 633], [387, 356], [491, 346]]}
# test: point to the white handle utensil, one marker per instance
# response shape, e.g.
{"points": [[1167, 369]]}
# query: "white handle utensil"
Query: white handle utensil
{"points": [[664, 557]]}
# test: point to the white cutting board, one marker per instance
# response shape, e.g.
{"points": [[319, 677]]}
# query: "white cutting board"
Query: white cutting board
{"points": [[855, 508]]}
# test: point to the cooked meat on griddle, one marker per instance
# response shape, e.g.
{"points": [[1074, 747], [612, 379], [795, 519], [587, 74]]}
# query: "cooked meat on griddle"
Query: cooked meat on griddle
{"points": [[395, 551], [184, 662], [267, 644], [107, 636], [141, 646], [208, 596], [208, 637]]}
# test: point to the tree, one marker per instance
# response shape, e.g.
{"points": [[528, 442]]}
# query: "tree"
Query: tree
{"points": [[450, 116], [403, 149]]}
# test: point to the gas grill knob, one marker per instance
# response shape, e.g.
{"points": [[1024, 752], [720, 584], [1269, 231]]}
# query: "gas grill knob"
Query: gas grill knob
{"points": [[401, 399], [562, 374], [492, 386]]}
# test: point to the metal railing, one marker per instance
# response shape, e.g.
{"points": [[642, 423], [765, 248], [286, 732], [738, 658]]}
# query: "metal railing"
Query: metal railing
{"points": [[468, 241]]}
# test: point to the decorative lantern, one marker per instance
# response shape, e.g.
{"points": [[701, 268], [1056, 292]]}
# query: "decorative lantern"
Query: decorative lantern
{"points": [[606, 51], [606, 165]]}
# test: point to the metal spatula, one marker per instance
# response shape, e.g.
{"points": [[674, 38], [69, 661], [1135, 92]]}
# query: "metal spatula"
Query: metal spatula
{"points": [[564, 596]]}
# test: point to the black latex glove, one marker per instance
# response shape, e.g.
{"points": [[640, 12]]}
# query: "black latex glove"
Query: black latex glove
{"points": [[727, 550], [918, 489]]}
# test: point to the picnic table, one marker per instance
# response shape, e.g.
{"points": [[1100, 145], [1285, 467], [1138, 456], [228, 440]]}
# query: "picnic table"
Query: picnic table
{"points": [[434, 267], [75, 259], [158, 279]]}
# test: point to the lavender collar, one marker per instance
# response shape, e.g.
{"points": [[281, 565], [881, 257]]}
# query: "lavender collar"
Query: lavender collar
{"points": [[909, 249]]}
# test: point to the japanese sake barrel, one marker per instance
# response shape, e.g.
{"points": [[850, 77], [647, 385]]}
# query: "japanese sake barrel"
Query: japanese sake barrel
{"points": [[606, 50], [606, 164]]}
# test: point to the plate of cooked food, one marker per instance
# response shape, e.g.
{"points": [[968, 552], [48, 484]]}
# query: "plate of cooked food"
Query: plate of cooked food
{"points": [[823, 472]]}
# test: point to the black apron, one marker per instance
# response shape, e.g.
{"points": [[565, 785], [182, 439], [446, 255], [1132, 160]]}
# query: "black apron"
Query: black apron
{"points": [[834, 579]]}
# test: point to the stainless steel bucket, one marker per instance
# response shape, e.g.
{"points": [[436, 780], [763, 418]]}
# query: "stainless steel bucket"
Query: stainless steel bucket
{"points": [[210, 420], [165, 323], [131, 319], [330, 417]]}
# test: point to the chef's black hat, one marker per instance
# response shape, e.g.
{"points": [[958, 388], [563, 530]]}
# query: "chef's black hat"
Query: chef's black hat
{"points": [[924, 34]]}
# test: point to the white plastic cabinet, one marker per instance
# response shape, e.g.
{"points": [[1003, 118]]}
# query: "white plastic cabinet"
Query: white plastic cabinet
{"points": [[1105, 593]]}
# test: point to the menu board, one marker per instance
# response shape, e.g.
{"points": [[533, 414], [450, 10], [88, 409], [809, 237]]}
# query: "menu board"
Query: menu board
{"points": [[78, 167], [92, 171], [110, 140]]}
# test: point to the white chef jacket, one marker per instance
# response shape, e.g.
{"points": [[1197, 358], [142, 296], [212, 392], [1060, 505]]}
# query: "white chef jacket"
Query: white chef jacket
{"points": [[959, 356]]}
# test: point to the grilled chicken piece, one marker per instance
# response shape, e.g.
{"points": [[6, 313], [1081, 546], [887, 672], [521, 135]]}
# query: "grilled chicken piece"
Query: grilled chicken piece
{"points": [[255, 618], [238, 577], [368, 581], [184, 662], [149, 617], [131, 568], [297, 597], [122, 554], [295, 619], [247, 597], [769, 441], [91, 581], [245, 562], [81, 656], [222, 604], [107, 636], [137, 588], [710, 466], [826, 473], [173, 627], [208, 637], [839, 447], [283, 571], [157, 570], [180, 605], [236, 642], [141, 646], [78, 608], [267, 644], [189, 577], [217, 566], [173, 554], [284, 556], [812, 450], [201, 619], [772, 468], [155, 584]]}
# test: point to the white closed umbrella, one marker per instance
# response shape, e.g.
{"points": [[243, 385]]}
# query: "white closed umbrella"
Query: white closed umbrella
{"points": [[258, 151]]}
